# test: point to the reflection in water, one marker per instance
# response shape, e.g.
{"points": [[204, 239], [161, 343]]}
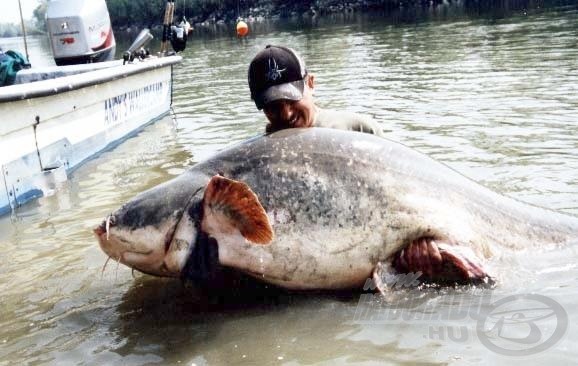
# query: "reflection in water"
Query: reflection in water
{"points": [[251, 327], [39, 51], [493, 96]]}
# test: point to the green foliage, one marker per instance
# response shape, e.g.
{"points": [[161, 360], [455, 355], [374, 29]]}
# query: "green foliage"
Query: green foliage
{"points": [[39, 14], [35, 26], [136, 12], [151, 12]]}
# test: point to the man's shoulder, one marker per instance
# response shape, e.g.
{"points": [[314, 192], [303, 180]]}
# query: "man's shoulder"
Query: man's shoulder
{"points": [[346, 120]]}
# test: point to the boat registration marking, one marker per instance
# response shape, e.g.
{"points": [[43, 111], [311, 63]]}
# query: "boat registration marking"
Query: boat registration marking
{"points": [[120, 108]]}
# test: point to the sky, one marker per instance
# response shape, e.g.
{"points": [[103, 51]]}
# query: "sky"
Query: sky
{"points": [[9, 10]]}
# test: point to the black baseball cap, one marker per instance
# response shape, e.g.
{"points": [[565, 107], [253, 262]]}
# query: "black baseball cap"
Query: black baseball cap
{"points": [[276, 73]]}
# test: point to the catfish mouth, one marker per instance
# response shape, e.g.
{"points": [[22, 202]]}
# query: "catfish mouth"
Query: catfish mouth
{"points": [[441, 262], [147, 247], [147, 260], [102, 231]]}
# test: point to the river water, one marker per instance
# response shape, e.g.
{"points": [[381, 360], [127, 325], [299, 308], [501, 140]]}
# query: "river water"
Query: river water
{"points": [[494, 96]]}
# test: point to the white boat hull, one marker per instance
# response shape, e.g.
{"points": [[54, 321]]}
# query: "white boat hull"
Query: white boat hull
{"points": [[50, 127]]}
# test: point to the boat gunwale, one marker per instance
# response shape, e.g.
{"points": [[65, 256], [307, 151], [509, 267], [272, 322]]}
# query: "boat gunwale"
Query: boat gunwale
{"points": [[64, 84]]}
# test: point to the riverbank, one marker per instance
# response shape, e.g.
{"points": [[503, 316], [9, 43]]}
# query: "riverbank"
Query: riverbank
{"points": [[266, 10]]}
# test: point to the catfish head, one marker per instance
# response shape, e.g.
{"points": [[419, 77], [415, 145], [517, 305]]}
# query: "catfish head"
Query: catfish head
{"points": [[173, 228]]}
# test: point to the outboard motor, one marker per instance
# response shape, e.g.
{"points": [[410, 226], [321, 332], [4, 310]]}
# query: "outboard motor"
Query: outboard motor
{"points": [[80, 31], [179, 34]]}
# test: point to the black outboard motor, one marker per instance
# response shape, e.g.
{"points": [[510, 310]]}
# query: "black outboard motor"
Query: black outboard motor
{"points": [[179, 35], [80, 31]]}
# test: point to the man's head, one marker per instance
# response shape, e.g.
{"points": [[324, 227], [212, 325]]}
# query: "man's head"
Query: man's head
{"points": [[281, 86]]}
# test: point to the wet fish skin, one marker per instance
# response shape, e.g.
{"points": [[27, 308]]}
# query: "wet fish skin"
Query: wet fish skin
{"points": [[339, 203]]}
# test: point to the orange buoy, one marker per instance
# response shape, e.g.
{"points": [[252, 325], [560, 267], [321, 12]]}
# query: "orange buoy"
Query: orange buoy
{"points": [[242, 29]]}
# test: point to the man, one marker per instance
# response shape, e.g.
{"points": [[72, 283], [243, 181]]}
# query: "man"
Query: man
{"points": [[281, 86]]}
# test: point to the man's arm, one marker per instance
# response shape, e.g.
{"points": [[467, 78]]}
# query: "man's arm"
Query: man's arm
{"points": [[347, 121]]}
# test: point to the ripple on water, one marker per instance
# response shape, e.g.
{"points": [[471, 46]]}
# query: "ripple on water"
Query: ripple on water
{"points": [[494, 99]]}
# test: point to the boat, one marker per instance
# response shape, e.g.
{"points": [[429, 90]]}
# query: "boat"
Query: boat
{"points": [[55, 118]]}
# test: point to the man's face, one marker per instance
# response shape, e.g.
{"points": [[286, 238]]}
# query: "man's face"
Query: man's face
{"points": [[284, 114]]}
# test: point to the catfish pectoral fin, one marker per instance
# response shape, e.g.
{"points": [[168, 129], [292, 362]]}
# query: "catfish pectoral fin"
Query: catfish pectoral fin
{"points": [[462, 266], [441, 263], [230, 205]]}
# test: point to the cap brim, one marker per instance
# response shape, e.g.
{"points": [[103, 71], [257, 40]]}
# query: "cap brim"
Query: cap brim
{"points": [[288, 91]]}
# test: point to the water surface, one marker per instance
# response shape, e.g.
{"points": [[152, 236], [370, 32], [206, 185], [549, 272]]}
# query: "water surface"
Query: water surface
{"points": [[494, 97]]}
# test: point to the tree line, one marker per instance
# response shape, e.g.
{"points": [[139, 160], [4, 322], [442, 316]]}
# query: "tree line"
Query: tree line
{"points": [[127, 13], [36, 25], [149, 13]]}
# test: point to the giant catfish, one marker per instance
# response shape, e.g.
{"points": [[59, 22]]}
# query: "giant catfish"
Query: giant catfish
{"points": [[324, 209]]}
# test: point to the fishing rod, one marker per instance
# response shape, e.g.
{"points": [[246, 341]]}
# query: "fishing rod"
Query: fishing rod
{"points": [[23, 32], [167, 21]]}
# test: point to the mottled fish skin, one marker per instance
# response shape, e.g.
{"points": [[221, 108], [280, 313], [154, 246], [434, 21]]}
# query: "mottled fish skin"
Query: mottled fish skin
{"points": [[339, 202]]}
